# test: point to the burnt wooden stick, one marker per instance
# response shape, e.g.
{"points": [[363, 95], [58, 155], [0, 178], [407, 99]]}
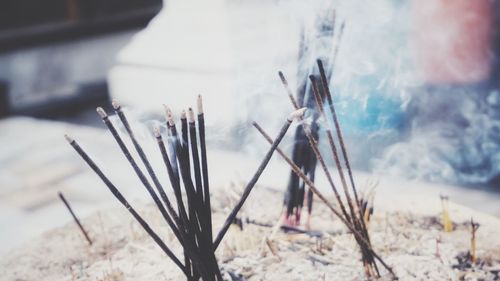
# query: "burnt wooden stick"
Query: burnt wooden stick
{"points": [[149, 168], [138, 171], [75, 218], [294, 197], [294, 115], [328, 95], [126, 204], [314, 145], [358, 221], [204, 165], [337, 213], [319, 105]]}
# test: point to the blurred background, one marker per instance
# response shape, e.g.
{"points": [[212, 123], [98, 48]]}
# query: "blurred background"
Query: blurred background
{"points": [[415, 82]]}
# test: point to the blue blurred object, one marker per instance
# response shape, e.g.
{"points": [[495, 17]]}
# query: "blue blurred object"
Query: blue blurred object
{"points": [[376, 108]]}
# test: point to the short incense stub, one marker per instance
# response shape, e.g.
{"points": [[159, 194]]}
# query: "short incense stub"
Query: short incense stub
{"points": [[101, 112], [297, 114], [447, 222], [183, 114], [199, 103]]}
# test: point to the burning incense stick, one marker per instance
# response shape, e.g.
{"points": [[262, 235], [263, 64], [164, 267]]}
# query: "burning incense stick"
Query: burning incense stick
{"points": [[137, 170], [359, 236], [75, 218], [446, 220], [293, 116], [125, 203], [192, 225]]}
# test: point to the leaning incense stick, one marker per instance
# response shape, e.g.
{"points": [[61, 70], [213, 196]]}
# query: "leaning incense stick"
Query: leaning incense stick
{"points": [[75, 218], [337, 213], [126, 204], [149, 168], [293, 116], [137, 170], [314, 146]]}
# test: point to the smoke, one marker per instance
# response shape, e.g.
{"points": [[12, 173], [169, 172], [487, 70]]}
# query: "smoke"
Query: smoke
{"points": [[393, 122]]}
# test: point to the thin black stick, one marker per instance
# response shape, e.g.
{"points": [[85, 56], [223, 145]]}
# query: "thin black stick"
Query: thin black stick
{"points": [[295, 115], [126, 204], [319, 104], [77, 221], [314, 146], [328, 95], [138, 171], [149, 168], [204, 165], [337, 213]]}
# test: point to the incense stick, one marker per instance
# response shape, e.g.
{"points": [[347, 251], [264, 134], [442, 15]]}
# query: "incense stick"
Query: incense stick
{"points": [[126, 204], [294, 115], [75, 218], [337, 213], [137, 170], [204, 164]]}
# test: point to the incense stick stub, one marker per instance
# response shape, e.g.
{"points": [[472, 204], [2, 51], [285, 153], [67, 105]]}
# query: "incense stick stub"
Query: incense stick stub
{"points": [[75, 218]]}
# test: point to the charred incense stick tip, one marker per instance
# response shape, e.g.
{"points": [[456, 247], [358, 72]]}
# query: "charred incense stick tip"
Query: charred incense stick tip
{"points": [[69, 139], [282, 77], [156, 132], [101, 112], [116, 105], [183, 114], [190, 115], [200, 104], [297, 114]]}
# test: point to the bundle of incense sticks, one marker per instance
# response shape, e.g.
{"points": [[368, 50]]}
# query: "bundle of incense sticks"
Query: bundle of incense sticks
{"points": [[351, 211], [302, 154], [190, 220]]}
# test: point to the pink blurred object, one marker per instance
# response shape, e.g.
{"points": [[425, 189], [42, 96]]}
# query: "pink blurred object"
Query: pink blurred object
{"points": [[453, 40]]}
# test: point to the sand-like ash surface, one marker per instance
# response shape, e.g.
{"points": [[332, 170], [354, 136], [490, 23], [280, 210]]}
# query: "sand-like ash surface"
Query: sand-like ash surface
{"points": [[415, 246]]}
